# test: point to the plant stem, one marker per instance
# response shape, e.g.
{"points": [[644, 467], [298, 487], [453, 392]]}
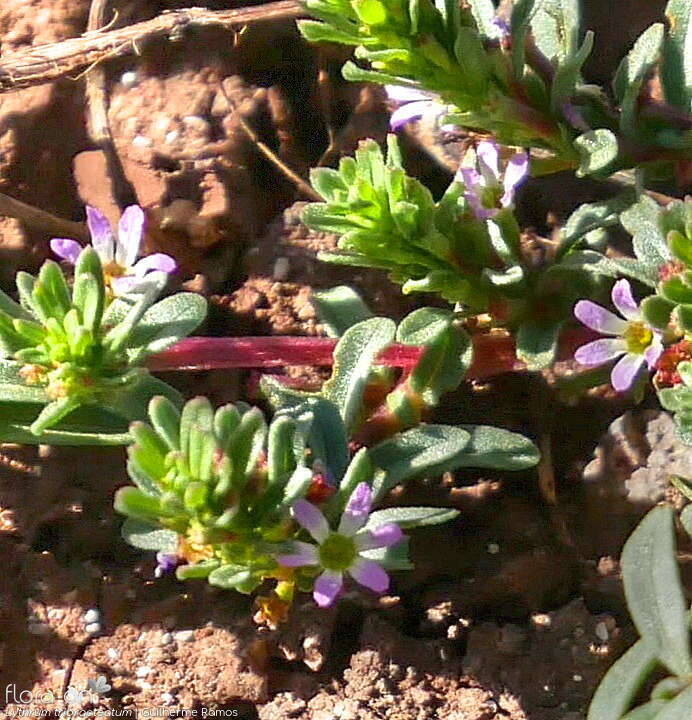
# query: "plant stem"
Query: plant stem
{"points": [[494, 353]]}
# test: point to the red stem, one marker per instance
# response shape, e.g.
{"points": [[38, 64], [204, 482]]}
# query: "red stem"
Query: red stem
{"points": [[493, 353]]}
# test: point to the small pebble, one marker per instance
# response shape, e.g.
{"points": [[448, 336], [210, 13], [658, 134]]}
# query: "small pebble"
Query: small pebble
{"points": [[493, 548], [141, 141], [129, 79], [601, 631], [112, 653], [167, 698], [166, 639], [577, 678], [171, 137], [91, 616], [143, 671], [185, 635], [93, 628], [282, 267], [38, 628]]}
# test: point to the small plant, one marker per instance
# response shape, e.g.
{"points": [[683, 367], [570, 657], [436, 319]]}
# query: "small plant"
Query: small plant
{"points": [[224, 495], [657, 604], [74, 350]]}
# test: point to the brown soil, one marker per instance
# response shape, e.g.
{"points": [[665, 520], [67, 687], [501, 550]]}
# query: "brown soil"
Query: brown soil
{"points": [[520, 614]]}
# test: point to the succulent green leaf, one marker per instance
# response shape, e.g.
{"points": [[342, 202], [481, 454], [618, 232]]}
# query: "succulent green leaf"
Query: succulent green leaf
{"points": [[354, 356], [686, 519], [657, 311], [166, 322], [676, 72], [484, 13], [597, 150], [622, 682], [198, 571], [393, 558], [281, 460], [537, 344], [52, 413], [134, 503], [555, 28], [146, 536], [339, 308], [491, 447], [678, 708], [231, 577], [568, 73], [411, 517], [647, 711], [522, 14], [360, 470], [643, 222], [427, 449], [165, 417], [654, 592]]}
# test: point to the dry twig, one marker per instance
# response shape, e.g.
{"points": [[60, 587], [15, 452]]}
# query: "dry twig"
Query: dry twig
{"points": [[45, 63], [42, 220]]}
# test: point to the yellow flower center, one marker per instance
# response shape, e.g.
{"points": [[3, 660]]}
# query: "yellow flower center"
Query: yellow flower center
{"points": [[638, 337]]}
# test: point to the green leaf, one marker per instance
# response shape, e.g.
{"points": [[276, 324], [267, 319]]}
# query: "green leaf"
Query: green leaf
{"points": [[145, 536], [679, 708], [642, 221], [427, 449], [680, 246], [555, 28], [522, 13], [246, 445], [166, 322], [686, 519], [298, 484], [447, 356], [654, 592], [13, 389], [394, 557], [53, 282], [411, 517], [568, 74], [118, 336], [198, 571], [52, 413], [484, 13], [230, 577], [315, 32], [647, 711], [281, 460], [165, 417], [597, 150], [131, 501], [339, 308], [13, 309], [354, 356], [360, 470], [491, 447], [657, 311], [676, 72], [537, 344], [622, 682]]}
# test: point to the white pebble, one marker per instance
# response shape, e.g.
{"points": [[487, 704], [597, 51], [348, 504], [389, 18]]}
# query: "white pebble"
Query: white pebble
{"points": [[129, 79], [167, 698], [143, 671], [91, 616], [141, 141], [185, 635], [166, 639], [577, 678], [112, 653], [171, 137], [601, 631], [195, 122], [282, 267], [93, 628], [493, 548]]}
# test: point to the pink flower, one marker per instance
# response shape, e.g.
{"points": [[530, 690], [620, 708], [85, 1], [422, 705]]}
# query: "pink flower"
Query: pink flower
{"points": [[486, 189], [412, 105], [632, 340], [123, 272], [341, 551]]}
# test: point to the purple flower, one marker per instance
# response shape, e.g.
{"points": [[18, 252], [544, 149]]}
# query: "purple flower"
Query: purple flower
{"points": [[342, 551], [412, 105], [165, 563], [486, 189], [632, 339], [123, 272]]}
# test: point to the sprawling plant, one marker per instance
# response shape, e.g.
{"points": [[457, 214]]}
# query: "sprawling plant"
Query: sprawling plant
{"points": [[245, 503], [657, 604], [73, 351]]}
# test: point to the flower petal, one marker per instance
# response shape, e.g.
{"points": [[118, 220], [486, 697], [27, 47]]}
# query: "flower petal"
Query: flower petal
{"points": [[516, 171], [625, 371], [623, 300], [369, 574], [66, 249], [488, 161], [357, 510], [303, 554], [382, 536], [101, 233], [598, 318], [130, 231], [327, 587], [311, 518], [157, 261], [403, 94], [408, 112], [653, 352], [600, 351]]}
